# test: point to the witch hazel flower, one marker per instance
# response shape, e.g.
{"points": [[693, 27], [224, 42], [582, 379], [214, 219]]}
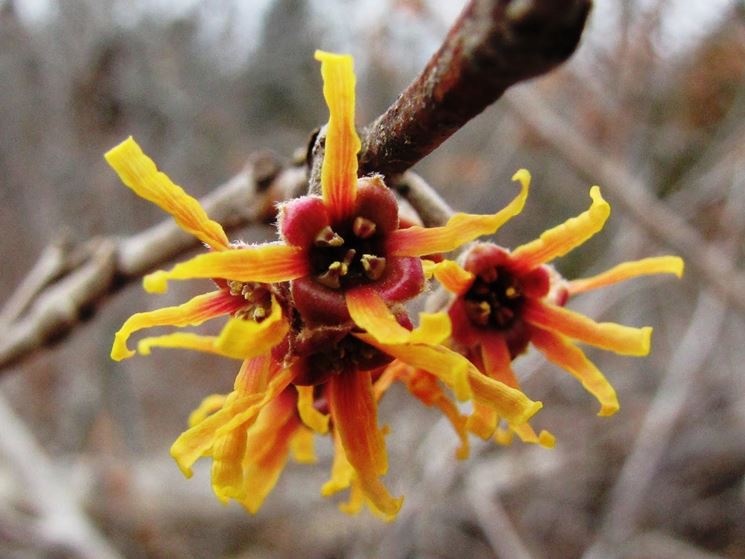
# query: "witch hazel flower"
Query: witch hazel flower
{"points": [[315, 318], [505, 300]]}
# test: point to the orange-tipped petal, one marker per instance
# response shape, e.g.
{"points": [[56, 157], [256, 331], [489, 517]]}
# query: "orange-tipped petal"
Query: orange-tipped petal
{"points": [[339, 170], [453, 369], [370, 312], [628, 270], [563, 238], [139, 173], [460, 229], [566, 355], [620, 339], [265, 263], [354, 412], [450, 275], [483, 421], [310, 416], [254, 375], [528, 435], [209, 405], [242, 339], [267, 449], [191, 313]]}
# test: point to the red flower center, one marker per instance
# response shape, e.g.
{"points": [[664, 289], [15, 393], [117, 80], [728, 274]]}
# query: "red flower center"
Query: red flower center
{"points": [[495, 299]]}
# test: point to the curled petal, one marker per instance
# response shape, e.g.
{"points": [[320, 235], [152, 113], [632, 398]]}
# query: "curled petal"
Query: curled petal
{"points": [[450, 275], [242, 339], [528, 435], [460, 229], [179, 340], [191, 313], [483, 421], [140, 174], [370, 312], [209, 405], [354, 412], [339, 170], [227, 467], [566, 355], [267, 263], [627, 270], [563, 238], [624, 340], [310, 416], [434, 328]]}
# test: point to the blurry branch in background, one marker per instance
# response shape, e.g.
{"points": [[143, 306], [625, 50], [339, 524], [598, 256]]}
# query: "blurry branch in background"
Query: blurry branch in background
{"points": [[494, 44], [707, 259], [58, 525]]}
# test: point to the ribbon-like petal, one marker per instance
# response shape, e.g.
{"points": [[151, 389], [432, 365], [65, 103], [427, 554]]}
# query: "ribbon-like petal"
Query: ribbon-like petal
{"points": [[139, 173], [450, 275], [370, 312], [620, 339], [267, 263], [563, 238], [339, 168], [628, 270], [460, 228]]}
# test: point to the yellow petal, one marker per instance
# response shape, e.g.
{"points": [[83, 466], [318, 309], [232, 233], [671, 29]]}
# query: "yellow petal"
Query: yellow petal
{"points": [[563, 238], [339, 170], [483, 421], [370, 312], [528, 435], [434, 328], [140, 174], [566, 355], [267, 263], [460, 228], [450, 275], [179, 340], [242, 339], [209, 405], [227, 464], [192, 313], [624, 340], [301, 446], [314, 419], [627, 270], [267, 450], [354, 412]]}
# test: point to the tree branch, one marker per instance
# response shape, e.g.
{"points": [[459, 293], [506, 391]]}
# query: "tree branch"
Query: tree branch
{"points": [[493, 45]]}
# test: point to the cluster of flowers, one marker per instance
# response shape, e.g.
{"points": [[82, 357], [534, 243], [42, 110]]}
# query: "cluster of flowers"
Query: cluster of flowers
{"points": [[319, 323]]}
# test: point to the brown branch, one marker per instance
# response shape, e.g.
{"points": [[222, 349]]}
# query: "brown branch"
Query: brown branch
{"points": [[493, 45]]}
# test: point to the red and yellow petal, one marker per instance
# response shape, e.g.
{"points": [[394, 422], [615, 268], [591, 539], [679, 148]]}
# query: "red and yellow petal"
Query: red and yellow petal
{"points": [[450, 275], [563, 238], [267, 450], [354, 413], [434, 328], [620, 339], [566, 355], [370, 312], [460, 229], [301, 446], [207, 407], [192, 313], [139, 173], [339, 170], [267, 263], [227, 464], [628, 270]]}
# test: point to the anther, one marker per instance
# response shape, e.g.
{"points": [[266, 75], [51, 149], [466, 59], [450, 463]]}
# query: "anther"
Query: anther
{"points": [[332, 277], [478, 311], [363, 227], [235, 287], [327, 237], [373, 266], [259, 313], [511, 292]]}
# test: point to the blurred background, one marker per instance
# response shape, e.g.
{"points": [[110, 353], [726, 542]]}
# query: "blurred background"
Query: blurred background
{"points": [[656, 87]]}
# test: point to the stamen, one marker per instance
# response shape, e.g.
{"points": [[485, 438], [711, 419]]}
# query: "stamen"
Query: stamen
{"points": [[331, 278], [235, 287], [347, 260], [373, 266], [511, 292], [363, 227], [478, 312], [327, 237]]}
